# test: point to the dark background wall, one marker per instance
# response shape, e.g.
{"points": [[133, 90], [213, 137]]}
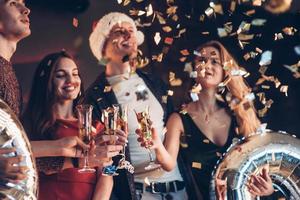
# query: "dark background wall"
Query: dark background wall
{"points": [[53, 30]]}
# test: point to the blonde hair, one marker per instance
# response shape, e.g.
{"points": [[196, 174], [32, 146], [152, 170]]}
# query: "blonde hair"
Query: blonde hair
{"points": [[245, 112]]}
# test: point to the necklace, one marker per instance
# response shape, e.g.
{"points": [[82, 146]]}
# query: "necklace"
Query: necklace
{"points": [[207, 117]]}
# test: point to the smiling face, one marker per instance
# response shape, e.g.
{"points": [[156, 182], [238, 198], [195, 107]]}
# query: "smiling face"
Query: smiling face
{"points": [[209, 67], [14, 21], [66, 80], [121, 41]]}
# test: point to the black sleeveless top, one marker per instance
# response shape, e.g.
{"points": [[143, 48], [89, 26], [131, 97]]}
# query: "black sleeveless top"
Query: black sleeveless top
{"points": [[199, 154]]}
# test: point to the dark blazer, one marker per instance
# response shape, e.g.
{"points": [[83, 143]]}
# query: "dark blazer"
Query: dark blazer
{"points": [[96, 96]]}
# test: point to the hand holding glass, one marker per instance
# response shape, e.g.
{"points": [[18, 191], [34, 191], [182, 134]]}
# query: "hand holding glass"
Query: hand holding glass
{"points": [[85, 130], [145, 124]]}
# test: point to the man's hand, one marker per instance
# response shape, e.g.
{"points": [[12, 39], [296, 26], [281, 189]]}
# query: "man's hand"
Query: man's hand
{"points": [[9, 171]]}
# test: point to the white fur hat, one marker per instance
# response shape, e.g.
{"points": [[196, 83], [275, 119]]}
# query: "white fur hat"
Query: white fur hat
{"points": [[103, 28]]}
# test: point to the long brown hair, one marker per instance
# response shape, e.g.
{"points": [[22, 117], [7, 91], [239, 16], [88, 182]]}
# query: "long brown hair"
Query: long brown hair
{"points": [[244, 111], [39, 117]]}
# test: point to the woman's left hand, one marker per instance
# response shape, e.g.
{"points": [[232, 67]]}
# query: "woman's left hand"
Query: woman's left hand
{"points": [[261, 185]]}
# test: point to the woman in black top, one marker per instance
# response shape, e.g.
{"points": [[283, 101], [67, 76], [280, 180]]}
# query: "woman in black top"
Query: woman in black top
{"points": [[205, 128]]}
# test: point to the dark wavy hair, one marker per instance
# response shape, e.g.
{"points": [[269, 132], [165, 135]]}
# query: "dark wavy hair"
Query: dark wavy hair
{"points": [[39, 117]]}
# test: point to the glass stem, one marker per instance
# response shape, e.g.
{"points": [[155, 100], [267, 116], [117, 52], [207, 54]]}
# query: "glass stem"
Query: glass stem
{"points": [[150, 156], [86, 159]]}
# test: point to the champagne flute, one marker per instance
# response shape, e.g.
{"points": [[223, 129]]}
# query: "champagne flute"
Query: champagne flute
{"points": [[85, 128], [145, 124], [110, 120], [123, 125]]}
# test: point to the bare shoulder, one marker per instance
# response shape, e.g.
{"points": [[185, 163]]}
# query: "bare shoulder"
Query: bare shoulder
{"points": [[174, 123]]}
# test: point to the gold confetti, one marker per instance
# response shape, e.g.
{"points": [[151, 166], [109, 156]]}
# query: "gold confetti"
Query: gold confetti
{"points": [[258, 50], [188, 67], [157, 38], [258, 22], [209, 12], [185, 52], [75, 22], [147, 181], [164, 99], [193, 74], [170, 92], [181, 31], [269, 103], [206, 141], [158, 57], [184, 145], [202, 18], [222, 32], [171, 10], [183, 111], [250, 12], [167, 29], [243, 27], [99, 99], [262, 112], [247, 56], [245, 37], [196, 88], [182, 59], [107, 89], [218, 8], [205, 33], [284, 89], [196, 165], [126, 2], [262, 69], [232, 6], [134, 12], [265, 87], [173, 80], [175, 18], [289, 30], [149, 10], [256, 2], [278, 36], [161, 20], [277, 83]]}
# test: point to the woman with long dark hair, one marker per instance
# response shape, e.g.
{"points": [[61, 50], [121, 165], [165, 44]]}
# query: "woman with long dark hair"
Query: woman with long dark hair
{"points": [[206, 127], [50, 115]]}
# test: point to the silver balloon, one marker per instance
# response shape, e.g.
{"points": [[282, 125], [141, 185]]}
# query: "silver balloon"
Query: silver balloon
{"points": [[278, 150], [12, 134]]}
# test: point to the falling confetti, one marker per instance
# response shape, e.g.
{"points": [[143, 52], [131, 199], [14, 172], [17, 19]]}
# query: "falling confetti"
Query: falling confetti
{"points": [[75, 22], [157, 38]]}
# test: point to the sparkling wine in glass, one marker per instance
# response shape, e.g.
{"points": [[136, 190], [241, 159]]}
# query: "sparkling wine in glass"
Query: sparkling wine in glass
{"points": [[85, 129], [145, 124], [110, 120]]}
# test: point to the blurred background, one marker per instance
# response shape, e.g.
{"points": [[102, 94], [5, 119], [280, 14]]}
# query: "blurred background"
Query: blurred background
{"points": [[173, 29]]}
